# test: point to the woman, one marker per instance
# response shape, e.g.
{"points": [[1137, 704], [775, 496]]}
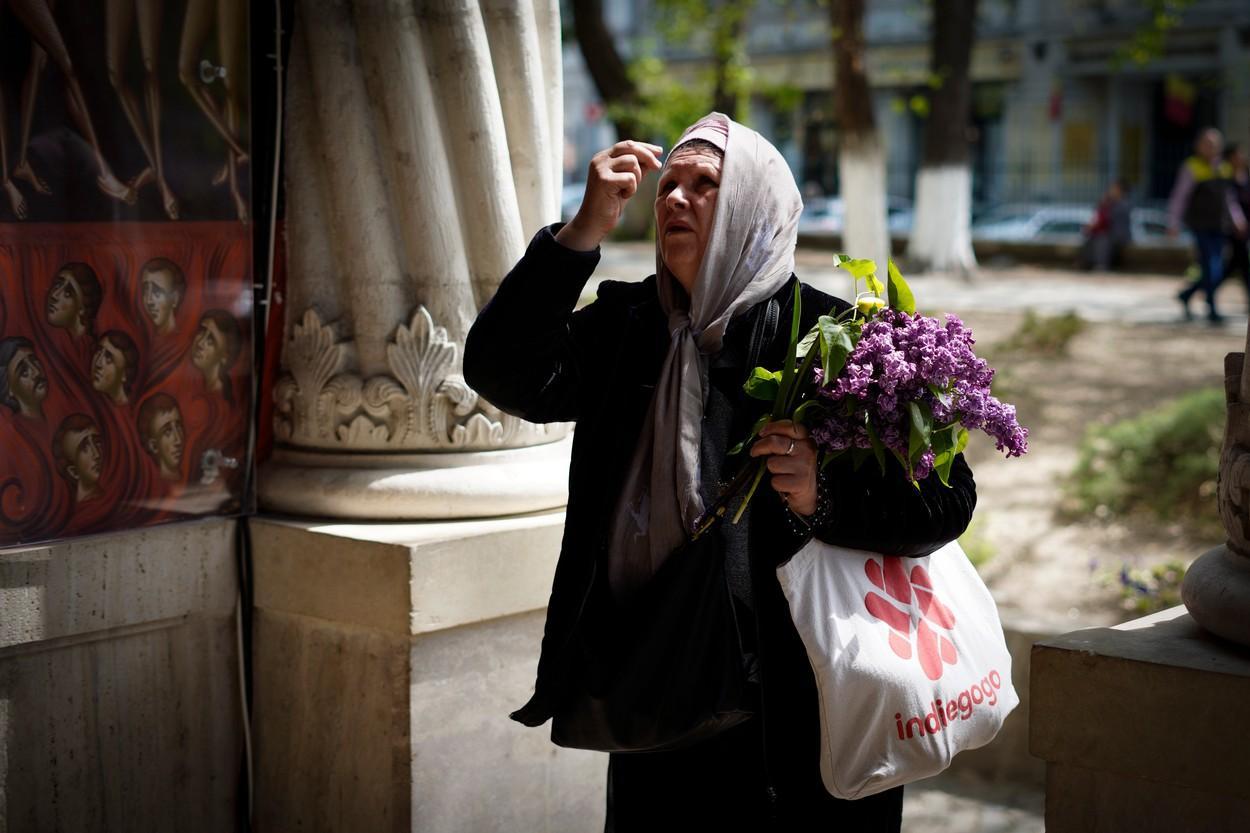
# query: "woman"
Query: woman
{"points": [[652, 373]]}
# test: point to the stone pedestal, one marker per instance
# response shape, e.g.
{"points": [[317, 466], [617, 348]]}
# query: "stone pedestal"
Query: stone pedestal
{"points": [[119, 683], [387, 659], [1142, 728]]}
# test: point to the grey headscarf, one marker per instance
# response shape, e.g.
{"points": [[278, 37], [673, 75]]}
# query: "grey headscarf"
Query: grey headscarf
{"points": [[749, 256]]}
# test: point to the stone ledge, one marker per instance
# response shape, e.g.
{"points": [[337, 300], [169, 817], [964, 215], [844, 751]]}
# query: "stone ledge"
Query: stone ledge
{"points": [[120, 580], [406, 578], [1157, 700]]}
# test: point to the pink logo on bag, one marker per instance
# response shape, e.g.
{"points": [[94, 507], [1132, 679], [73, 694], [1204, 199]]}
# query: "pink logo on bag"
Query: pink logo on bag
{"points": [[933, 650]]}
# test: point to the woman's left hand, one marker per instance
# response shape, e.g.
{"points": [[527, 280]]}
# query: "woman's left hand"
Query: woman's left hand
{"points": [[791, 462]]}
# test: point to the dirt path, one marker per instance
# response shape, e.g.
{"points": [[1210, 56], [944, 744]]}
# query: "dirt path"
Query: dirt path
{"points": [[1043, 566]]}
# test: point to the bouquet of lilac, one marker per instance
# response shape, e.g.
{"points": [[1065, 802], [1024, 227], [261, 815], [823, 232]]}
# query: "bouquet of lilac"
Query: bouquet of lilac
{"points": [[879, 379]]}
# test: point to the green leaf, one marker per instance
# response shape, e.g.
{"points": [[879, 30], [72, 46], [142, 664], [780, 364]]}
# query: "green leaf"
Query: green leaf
{"points": [[763, 384], [858, 267], [782, 397], [858, 457], [755, 430], [800, 413], [878, 448], [874, 284], [945, 398], [921, 432], [900, 294], [946, 445], [827, 457], [835, 346], [805, 344]]}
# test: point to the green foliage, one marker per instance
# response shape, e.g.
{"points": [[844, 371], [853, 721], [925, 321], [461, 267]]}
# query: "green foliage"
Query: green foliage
{"points": [[1045, 335], [666, 106], [716, 29], [1148, 43], [1146, 590], [1161, 465], [975, 545]]}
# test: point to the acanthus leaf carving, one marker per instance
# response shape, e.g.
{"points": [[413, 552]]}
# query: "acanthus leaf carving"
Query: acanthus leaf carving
{"points": [[424, 406]]}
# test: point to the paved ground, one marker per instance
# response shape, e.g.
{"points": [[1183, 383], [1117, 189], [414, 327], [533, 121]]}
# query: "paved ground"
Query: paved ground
{"points": [[948, 804], [1124, 298]]}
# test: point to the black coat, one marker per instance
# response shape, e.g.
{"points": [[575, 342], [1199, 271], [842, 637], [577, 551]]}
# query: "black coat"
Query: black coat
{"points": [[531, 355]]}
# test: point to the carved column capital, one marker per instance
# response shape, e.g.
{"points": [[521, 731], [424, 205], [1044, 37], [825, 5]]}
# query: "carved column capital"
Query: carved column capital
{"points": [[421, 405]]}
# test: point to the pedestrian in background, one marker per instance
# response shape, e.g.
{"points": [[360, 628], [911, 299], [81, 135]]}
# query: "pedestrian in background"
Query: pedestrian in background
{"points": [[1109, 231], [1239, 261], [1203, 200]]}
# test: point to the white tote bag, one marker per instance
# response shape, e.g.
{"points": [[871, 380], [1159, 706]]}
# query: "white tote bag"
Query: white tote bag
{"points": [[909, 658]]}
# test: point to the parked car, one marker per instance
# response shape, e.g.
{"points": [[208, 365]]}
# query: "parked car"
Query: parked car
{"points": [[1064, 223], [826, 215]]}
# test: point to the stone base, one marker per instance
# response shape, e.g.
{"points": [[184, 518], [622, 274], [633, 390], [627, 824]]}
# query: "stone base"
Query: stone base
{"points": [[387, 659], [119, 682], [417, 486], [1216, 591], [1141, 729]]}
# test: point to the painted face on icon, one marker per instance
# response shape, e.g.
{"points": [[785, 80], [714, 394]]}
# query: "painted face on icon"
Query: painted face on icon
{"points": [[86, 450], [161, 297], [28, 384], [166, 440], [64, 304], [78, 450], [108, 371], [208, 351]]}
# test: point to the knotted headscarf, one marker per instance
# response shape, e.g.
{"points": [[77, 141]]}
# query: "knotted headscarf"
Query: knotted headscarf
{"points": [[749, 256]]}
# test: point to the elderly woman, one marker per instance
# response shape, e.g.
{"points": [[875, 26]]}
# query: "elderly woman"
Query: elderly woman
{"points": [[652, 373]]}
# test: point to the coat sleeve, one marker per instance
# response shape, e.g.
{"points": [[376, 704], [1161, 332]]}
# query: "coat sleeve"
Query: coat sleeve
{"points": [[528, 353], [887, 514]]}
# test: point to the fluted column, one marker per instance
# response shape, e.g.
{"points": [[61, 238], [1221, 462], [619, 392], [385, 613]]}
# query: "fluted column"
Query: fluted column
{"points": [[1216, 589], [423, 143]]}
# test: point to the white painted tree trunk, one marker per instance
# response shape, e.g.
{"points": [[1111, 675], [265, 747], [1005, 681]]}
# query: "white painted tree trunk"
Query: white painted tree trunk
{"points": [[941, 235], [865, 231]]}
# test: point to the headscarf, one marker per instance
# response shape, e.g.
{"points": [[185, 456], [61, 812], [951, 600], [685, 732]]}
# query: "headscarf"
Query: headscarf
{"points": [[749, 256]]}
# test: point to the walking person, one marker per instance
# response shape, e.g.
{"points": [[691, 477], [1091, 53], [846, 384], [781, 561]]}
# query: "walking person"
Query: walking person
{"points": [[652, 372], [1239, 259], [1203, 200], [1109, 231]]}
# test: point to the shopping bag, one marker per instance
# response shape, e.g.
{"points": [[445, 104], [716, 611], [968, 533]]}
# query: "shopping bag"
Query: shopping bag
{"points": [[909, 657]]}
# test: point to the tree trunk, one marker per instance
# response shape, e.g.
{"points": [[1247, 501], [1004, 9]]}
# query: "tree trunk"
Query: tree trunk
{"points": [[604, 63], [861, 154], [941, 237], [726, 52]]}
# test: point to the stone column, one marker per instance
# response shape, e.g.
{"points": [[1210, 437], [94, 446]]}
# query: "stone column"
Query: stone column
{"points": [[1216, 589], [395, 630], [423, 143]]}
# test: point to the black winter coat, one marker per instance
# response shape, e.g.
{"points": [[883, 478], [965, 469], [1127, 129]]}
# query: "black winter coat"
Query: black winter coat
{"points": [[531, 355]]}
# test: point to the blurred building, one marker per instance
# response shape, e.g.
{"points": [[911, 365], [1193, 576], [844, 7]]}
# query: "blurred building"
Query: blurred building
{"points": [[1056, 112]]}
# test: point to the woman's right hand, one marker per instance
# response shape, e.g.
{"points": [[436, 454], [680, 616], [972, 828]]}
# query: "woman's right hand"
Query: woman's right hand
{"points": [[614, 177]]}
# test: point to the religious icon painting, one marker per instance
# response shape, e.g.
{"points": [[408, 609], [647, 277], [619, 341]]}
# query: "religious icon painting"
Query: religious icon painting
{"points": [[125, 265]]}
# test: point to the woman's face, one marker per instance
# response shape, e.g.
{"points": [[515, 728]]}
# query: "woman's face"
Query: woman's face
{"points": [[684, 207]]}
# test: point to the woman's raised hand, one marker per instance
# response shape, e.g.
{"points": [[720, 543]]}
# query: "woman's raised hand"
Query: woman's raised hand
{"points": [[614, 177], [791, 462]]}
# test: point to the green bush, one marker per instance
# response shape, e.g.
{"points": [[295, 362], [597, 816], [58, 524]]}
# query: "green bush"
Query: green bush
{"points": [[975, 545], [1146, 590], [1045, 335], [1161, 465]]}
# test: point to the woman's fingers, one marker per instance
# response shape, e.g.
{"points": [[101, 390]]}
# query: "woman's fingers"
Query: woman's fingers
{"points": [[646, 153], [781, 444], [784, 428]]}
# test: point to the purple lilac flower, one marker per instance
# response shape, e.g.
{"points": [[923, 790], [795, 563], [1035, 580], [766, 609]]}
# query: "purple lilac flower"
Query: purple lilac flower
{"points": [[902, 358]]}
